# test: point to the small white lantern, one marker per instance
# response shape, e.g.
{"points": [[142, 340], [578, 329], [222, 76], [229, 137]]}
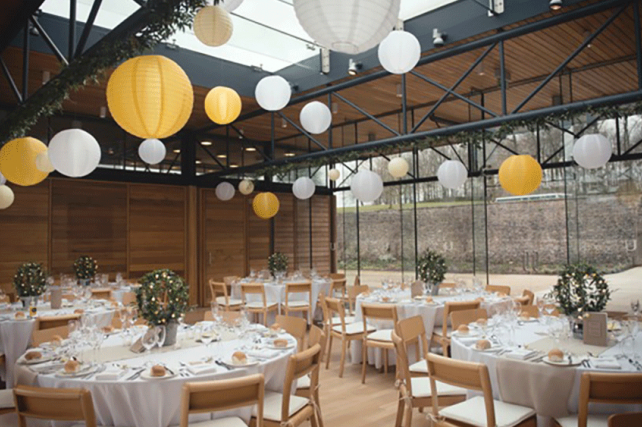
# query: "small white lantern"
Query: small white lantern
{"points": [[231, 5], [303, 188], [334, 174], [74, 153], [3, 180], [225, 191], [452, 174], [213, 26], [592, 151], [43, 164], [315, 117], [246, 187], [398, 167], [366, 186], [6, 197], [273, 93], [399, 52], [152, 151]]}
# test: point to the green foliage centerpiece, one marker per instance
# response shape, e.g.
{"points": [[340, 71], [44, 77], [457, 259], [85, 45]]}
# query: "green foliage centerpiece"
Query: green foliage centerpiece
{"points": [[581, 288], [85, 268], [30, 282], [431, 267], [277, 263]]}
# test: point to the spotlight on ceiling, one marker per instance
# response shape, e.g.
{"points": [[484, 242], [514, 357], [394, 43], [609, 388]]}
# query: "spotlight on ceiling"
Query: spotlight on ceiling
{"points": [[250, 149], [177, 150], [290, 154], [335, 108], [198, 162], [221, 156], [555, 4], [206, 143], [438, 37], [284, 124], [354, 67], [234, 165]]}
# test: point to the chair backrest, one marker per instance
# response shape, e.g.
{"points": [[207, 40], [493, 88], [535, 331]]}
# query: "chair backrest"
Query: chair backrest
{"points": [[353, 293], [334, 305], [295, 326], [403, 369], [253, 288], [101, 293], [464, 317], [299, 365], [530, 310], [218, 289], [46, 335], [601, 387], [221, 395], [337, 276], [129, 298], [378, 312], [626, 419], [500, 289], [453, 306], [230, 279], [357, 281], [338, 285], [469, 375], [297, 288], [54, 404], [523, 300], [317, 336], [48, 322], [531, 296], [412, 331]]}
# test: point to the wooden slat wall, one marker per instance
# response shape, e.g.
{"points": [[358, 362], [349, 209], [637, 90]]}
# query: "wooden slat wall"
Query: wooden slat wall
{"points": [[258, 239], [285, 229], [303, 234], [321, 234]]}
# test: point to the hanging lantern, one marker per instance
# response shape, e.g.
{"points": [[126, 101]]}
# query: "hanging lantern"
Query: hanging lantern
{"points": [[452, 174], [272, 93], [6, 197], [592, 151], [265, 205], [43, 164], [213, 26], [231, 5], [3, 180], [315, 117], [74, 152], [348, 26], [366, 186], [520, 175], [150, 96], [18, 161], [399, 52], [225, 191], [303, 188], [152, 151], [398, 167], [334, 174], [246, 187], [222, 105]]}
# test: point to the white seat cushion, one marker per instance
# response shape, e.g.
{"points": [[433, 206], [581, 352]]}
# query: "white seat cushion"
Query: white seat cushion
{"points": [[273, 402], [348, 319], [303, 382], [259, 304], [6, 399], [473, 412], [593, 421], [440, 331], [221, 300], [381, 335], [421, 388], [298, 304], [221, 422], [353, 328], [420, 367]]}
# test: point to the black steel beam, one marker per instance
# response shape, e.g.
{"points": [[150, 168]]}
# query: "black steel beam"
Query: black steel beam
{"points": [[303, 131], [26, 51], [72, 28], [12, 83], [88, 26], [49, 41], [27, 8], [365, 113], [638, 41]]}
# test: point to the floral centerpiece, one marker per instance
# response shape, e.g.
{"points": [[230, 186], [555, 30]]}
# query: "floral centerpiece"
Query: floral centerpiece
{"points": [[30, 281], [85, 268], [581, 288], [431, 267], [277, 263]]}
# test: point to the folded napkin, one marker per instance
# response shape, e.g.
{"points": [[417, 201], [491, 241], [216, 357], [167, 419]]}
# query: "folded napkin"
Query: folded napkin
{"points": [[606, 363], [520, 354], [262, 354], [111, 374], [201, 368]]}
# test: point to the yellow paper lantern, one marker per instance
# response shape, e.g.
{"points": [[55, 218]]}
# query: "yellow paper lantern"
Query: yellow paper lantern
{"points": [[265, 205], [213, 26], [18, 161], [520, 175], [222, 105], [150, 96]]}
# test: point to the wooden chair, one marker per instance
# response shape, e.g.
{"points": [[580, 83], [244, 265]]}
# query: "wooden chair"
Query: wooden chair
{"points": [[479, 410], [316, 336], [416, 392], [5, 299], [229, 317], [228, 280], [302, 306], [257, 307], [346, 332], [500, 289], [464, 317], [357, 281], [129, 298], [340, 286], [627, 419], [6, 396], [413, 332], [353, 293], [328, 318], [530, 311], [523, 300], [381, 338], [221, 395], [530, 295], [48, 322], [54, 404], [294, 326], [38, 336], [601, 387], [443, 337], [336, 276], [221, 297], [286, 409], [101, 293]]}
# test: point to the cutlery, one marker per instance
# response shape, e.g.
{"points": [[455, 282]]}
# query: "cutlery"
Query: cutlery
{"points": [[220, 363], [136, 374], [538, 359]]}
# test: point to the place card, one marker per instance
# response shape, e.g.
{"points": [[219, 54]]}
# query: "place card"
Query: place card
{"points": [[594, 329], [416, 289]]}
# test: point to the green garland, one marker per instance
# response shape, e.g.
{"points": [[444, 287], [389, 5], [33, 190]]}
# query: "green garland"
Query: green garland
{"points": [[581, 288], [163, 296], [277, 262], [85, 268], [30, 280], [432, 267]]}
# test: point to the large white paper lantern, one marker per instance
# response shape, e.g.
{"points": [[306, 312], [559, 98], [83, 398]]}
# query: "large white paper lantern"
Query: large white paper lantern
{"points": [[452, 174], [43, 164], [399, 52], [231, 5], [225, 191], [246, 187], [213, 26], [6, 197], [152, 151], [315, 117], [334, 174], [3, 180], [348, 26], [398, 167], [272, 93], [303, 188], [366, 186], [74, 152], [592, 151]]}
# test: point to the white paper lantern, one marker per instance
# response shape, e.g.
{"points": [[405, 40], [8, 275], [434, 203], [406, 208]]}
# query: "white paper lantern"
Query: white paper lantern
{"points": [[334, 174], [315, 117], [74, 152], [592, 151], [152, 151], [272, 93], [225, 191], [213, 26], [399, 52], [6, 197], [246, 187], [43, 164], [348, 26], [398, 167], [303, 188], [452, 174], [231, 5], [366, 186], [3, 180]]}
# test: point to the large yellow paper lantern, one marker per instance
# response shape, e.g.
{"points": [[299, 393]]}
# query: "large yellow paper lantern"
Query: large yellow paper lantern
{"points": [[222, 105], [18, 161], [265, 205], [150, 96], [520, 175]]}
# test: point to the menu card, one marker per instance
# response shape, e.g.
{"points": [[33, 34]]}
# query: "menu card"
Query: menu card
{"points": [[594, 329]]}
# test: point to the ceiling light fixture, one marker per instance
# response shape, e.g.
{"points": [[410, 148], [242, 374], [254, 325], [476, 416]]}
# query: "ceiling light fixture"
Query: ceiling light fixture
{"points": [[198, 162], [206, 143], [555, 4], [438, 37], [234, 165], [335, 108], [46, 75], [284, 124], [399, 91], [587, 34], [289, 154], [250, 149], [103, 112], [177, 150], [221, 156], [354, 67]]}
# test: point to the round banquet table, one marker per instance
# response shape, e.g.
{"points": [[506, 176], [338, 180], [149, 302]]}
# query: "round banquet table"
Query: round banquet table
{"points": [[15, 335], [553, 391]]}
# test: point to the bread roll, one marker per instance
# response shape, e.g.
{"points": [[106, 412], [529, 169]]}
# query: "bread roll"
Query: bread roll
{"points": [[463, 329], [239, 358], [275, 327], [20, 315], [482, 322], [280, 342], [33, 355], [483, 345], [385, 299], [108, 329], [556, 355], [71, 366], [79, 311], [429, 300], [524, 316], [158, 371]]}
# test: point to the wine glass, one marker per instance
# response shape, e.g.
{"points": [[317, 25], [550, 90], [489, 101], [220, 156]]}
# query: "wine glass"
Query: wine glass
{"points": [[161, 335], [149, 339], [207, 335], [635, 307]]}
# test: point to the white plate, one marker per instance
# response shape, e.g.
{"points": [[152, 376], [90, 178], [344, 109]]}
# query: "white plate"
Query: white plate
{"points": [[250, 362], [273, 347], [84, 370], [564, 362], [470, 334], [147, 375], [528, 320], [493, 348], [43, 359]]}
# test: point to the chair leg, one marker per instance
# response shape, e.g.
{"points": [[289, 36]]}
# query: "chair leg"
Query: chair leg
{"points": [[408, 416], [385, 361], [313, 419], [329, 355], [344, 349], [318, 411], [364, 361], [400, 410]]}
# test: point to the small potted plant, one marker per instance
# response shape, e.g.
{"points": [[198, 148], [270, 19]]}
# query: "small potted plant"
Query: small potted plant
{"points": [[85, 268], [30, 282], [278, 264], [431, 267]]}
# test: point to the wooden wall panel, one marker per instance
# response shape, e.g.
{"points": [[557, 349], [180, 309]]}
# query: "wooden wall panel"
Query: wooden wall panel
{"points": [[321, 234], [157, 228], [88, 218], [303, 234], [258, 239], [285, 229]]}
